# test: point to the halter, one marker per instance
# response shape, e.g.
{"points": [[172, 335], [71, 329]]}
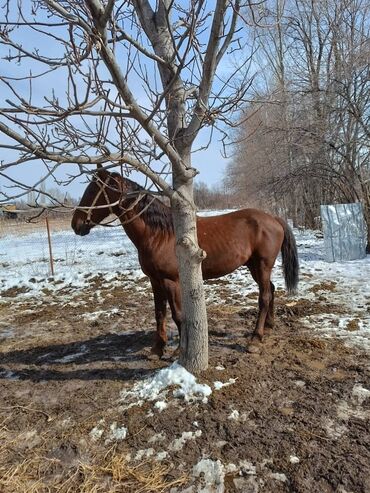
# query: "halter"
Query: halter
{"points": [[102, 190]]}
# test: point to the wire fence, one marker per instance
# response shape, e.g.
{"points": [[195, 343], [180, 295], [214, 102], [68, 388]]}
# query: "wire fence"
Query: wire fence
{"points": [[26, 249]]}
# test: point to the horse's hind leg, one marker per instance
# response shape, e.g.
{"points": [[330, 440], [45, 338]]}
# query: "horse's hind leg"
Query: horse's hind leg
{"points": [[270, 322], [261, 273], [160, 305]]}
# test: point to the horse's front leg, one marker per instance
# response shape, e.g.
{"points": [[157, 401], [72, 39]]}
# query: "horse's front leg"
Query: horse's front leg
{"points": [[160, 306], [174, 299]]}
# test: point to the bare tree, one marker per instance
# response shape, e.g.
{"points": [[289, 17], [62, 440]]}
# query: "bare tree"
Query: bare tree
{"points": [[306, 141], [133, 83]]}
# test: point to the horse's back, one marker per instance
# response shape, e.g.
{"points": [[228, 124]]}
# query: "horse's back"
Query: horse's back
{"points": [[255, 222], [231, 239]]}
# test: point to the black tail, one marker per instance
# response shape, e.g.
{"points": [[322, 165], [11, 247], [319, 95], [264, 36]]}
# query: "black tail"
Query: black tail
{"points": [[289, 255]]}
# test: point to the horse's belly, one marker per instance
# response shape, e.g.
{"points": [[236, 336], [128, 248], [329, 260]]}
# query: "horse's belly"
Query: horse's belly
{"points": [[213, 268]]}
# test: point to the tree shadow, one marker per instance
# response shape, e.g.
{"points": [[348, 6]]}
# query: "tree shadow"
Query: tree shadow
{"points": [[46, 374], [115, 348], [229, 345]]}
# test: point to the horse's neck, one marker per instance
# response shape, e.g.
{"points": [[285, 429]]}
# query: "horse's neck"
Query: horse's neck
{"points": [[133, 221], [133, 224]]}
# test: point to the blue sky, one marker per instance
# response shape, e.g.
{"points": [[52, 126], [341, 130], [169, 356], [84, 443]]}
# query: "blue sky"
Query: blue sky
{"points": [[210, 162]]}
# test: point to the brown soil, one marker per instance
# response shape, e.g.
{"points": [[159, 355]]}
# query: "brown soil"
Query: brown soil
{"points": [[61, 373]]}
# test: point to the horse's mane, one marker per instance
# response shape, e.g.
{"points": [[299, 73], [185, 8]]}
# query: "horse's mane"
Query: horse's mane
{"points": [[154, 213]]}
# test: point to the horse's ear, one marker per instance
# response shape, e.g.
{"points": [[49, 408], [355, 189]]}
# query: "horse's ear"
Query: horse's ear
{"points": [[101, 172]]}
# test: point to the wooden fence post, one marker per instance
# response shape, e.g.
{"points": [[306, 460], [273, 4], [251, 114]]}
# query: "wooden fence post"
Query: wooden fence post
{"points": [[50, 248]]}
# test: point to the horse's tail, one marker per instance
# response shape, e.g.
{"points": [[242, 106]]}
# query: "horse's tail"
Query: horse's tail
{"points": [[289, 255]]}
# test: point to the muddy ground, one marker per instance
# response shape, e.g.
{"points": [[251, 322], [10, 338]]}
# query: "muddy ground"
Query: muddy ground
{"points": [[302, 420]]}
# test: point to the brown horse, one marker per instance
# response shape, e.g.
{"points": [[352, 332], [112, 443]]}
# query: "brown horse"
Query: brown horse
{"points": [[246, 237]]}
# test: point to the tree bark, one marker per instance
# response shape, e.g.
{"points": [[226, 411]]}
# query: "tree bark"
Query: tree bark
{"points": [[194, 325]]}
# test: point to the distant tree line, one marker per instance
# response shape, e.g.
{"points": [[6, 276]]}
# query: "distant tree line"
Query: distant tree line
{"points": [[46, 196], [212, 197], [305, 138]]}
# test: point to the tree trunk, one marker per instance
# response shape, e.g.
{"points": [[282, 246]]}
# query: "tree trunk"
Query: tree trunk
{"points": [[367, 222], [194, 326]]}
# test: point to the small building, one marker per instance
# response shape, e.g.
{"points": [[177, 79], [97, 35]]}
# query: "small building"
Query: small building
{"points": [[9, 211]]}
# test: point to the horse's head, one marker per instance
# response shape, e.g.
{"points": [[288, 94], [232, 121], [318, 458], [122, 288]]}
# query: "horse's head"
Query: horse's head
{"points": [[100, 199]]}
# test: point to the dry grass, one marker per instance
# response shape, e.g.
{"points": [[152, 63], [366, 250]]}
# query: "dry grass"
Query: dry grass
{"points": [[224, 310], [108, 472], [21, 227], [42, 457], [323, 286]]}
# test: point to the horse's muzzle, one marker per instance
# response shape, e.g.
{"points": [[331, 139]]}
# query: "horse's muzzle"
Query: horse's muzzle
{"points": [[81, 228]]}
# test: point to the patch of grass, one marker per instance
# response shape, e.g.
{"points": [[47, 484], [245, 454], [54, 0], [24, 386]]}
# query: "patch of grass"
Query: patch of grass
{"points": [[353, 325], [323, 286], [106, 472]]}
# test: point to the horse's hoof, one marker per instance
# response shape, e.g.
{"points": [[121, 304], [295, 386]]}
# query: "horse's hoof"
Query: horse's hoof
{"points": [[253, 349], [254, 344], [157, 351]]}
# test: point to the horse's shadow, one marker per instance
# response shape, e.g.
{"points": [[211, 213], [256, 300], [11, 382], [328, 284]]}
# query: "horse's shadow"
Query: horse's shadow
{"points": [[37, 363]]}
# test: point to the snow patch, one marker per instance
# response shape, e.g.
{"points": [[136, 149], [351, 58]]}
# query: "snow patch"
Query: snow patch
{"points": [[158, 437], [178, 443], [97, 432], [160, 405], [234, 415], [8, 375], [334, 429], [155, 387], [247, 467], [116, 433], [278, 477], [360, 394], [218, 385], [70, 357], [144, 454], [213, 475], [161, 455]]}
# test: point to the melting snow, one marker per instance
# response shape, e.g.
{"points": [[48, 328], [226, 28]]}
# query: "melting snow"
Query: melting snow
{"points": [[247, 467], [70, 357], [26, 266], [278, 476], [160, 405], [158, 437], [116, 433], [234, 415], [144, 454], [213, 473], [96, 433], [161, 455], [178, 443], [218, 385], [360, 394], [155, 386]]}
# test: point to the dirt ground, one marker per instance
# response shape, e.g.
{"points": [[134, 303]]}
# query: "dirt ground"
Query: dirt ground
{"points": [[295, 420]]}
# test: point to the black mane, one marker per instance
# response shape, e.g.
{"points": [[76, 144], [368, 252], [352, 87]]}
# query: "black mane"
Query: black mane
{"points": [[155, 213]]}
